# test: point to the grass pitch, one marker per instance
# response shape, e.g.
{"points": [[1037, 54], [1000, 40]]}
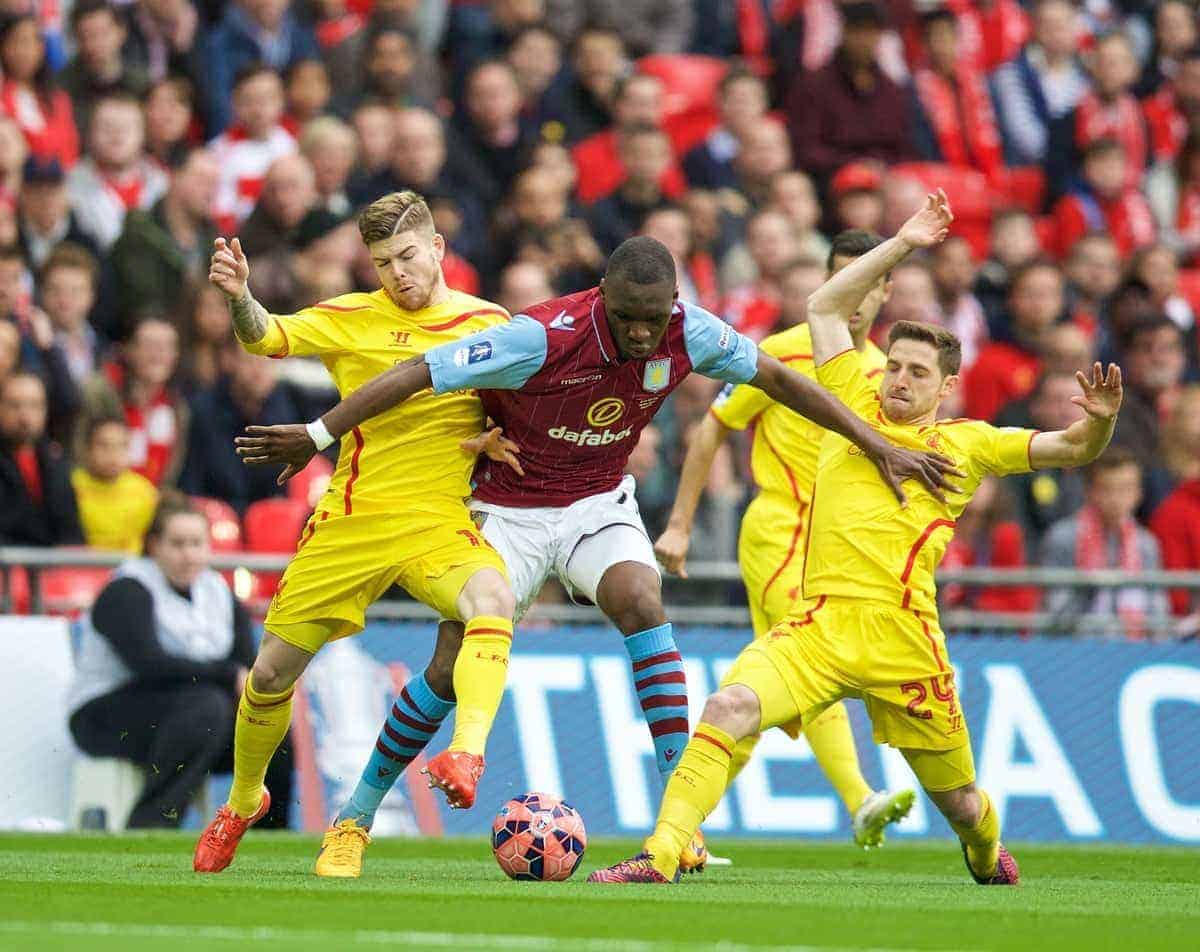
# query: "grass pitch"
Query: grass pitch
{"points": [[139, 893]]}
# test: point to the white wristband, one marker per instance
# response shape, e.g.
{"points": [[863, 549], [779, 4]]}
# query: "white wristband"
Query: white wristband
{"points": [[320, 434]]}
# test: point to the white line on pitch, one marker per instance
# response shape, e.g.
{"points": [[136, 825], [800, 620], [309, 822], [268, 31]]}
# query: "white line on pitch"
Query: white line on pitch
{"points": [[442, 940]]}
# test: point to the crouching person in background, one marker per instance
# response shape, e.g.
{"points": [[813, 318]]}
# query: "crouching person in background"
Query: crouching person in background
{"points": [[162, 660]]}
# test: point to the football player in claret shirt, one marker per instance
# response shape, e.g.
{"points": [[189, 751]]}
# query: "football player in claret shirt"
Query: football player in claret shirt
{"points": [[866, 624], [384, 518], [573, 382], [783, 458]]}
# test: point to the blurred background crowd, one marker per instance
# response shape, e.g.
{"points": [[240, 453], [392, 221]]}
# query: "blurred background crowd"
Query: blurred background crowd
{"points": [[741, 133]]}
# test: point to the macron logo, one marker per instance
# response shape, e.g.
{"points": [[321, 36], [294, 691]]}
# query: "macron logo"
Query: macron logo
{"points": [[669, 754], [563, 322]]}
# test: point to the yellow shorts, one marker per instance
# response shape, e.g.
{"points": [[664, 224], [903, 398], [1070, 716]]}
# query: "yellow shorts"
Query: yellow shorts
{"points": [[344, 563], [894, 659], [771, 556]]}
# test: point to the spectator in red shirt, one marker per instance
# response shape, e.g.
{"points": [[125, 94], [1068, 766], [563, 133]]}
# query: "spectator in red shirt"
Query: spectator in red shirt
{"points": [[1105, 202], [849, 109], [1176, 522], [1174, 109], [988, 536], [116, 176], [1108, 111], [37, 503], [637, 102], [247, 148], [955, 120], [754, 308], [1006, 370], [138, 386], [29, 96]]}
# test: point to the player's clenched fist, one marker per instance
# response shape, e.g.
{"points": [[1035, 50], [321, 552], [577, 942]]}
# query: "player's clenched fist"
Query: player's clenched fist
{"points": [[229, 269], [671, 549]]}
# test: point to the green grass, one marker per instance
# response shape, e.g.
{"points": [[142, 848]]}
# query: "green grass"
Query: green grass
{"points": [[139, 893]]}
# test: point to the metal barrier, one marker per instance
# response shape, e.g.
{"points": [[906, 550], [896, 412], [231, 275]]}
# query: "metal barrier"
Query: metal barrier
{"points": [[697, 587]]}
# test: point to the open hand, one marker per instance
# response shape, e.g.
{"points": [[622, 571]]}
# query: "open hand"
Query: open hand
{"points": [[287, 443], [930, 225], [496, 446], [229, 270], [1102, 394], [672, 549]]}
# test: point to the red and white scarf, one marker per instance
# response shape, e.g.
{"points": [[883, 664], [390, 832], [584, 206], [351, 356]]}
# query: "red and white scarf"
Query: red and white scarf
{"points": [[1165, 123], [1121, 120], [1091, 553], [993, 36], [962, 118]]}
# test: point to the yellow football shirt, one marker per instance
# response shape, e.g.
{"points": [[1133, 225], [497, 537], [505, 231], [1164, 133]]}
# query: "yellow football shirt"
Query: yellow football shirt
{"points": [[861, 543], [408, 456], [783, 455], [114, 515]]}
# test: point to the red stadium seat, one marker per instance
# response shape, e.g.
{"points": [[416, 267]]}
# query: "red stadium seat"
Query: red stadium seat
{"points": [[224, 528], [690, 101], [969, 193], [70, 591], [274, 525], [306, 486], [18, 592]]}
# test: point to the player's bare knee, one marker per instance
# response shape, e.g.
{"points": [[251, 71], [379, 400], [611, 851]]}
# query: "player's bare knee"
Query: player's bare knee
{"points": [[734, 709], [637, 606], [269, 679], [487, 593], [960, 806], [277, 666]]}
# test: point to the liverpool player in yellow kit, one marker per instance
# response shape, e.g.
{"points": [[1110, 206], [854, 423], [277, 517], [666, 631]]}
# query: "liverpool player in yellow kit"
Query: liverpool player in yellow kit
{"points": [[394, 512], [867, 623], [770, 546]]}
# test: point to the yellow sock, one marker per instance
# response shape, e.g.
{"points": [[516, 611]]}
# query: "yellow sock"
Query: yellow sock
{"points": [[262, 723], [832, 742], [694, 790], [742, 752], [479, 676], [983, 839]]}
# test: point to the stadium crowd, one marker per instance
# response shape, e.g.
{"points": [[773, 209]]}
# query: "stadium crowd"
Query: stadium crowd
{"points": [[743, 135]]}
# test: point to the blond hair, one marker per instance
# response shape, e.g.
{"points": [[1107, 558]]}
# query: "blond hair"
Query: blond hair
{"points": [[393, 214]]}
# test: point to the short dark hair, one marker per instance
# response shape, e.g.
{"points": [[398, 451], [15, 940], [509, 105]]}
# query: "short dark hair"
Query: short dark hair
{"points": [[851, 243], [85, 8], [1022, 271], [11, 253], [947, 345], [738, 70], [1115, 457], [1102, 146], [171, 503], [938, 15], [1150, 324], [641, 260], [92, 425], [252, 71]]}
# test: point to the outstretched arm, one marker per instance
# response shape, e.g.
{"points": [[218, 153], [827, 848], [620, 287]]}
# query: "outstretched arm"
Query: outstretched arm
{"points": [[296, 443], [831, 306], [1086, 438], [672, 546], [811, 400]]}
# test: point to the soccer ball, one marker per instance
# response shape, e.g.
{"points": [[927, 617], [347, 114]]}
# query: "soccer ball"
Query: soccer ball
{"points": [[537, 836]]}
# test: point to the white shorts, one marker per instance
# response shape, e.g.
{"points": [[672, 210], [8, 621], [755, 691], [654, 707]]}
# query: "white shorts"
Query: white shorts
{"points": [[577, 543]]}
